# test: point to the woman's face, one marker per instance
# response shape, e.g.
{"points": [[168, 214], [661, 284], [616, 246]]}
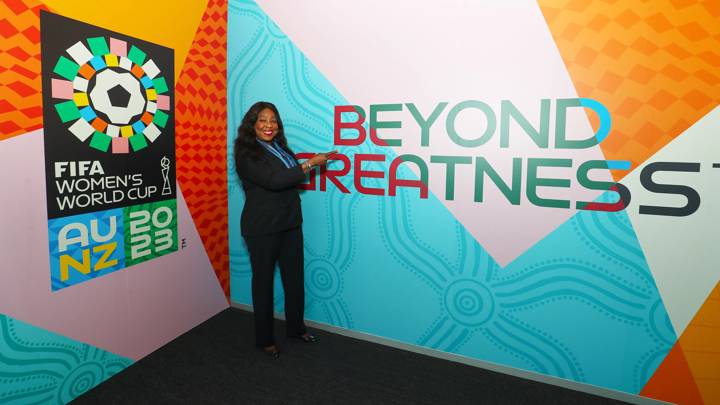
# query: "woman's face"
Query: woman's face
{"points": [[266, 126]]}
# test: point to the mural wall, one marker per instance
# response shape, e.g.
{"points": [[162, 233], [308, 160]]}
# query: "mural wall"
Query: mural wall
{"points": [[530, 184], [114, 203]]}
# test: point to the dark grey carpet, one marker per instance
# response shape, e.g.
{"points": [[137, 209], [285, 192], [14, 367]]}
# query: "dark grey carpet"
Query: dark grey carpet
{"points": [[217, 363]]}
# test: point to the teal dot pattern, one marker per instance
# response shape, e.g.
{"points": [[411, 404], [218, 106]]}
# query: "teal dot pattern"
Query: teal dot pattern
{"points": [[39, 367], [581, 304]]}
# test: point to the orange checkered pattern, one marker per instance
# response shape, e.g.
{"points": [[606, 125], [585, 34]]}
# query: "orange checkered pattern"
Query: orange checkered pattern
{"points": [[690, 374], [653, 64], [20, 83], [201, 136], [701, 344], [673, 381]]}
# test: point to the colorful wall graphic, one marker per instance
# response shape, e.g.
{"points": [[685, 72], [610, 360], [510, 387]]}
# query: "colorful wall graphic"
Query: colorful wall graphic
{"points": [[530, 184], [121, 181], [111, 197]]}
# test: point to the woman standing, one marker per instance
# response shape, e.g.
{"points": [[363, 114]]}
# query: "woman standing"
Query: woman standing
{"points": [[271, 220]]}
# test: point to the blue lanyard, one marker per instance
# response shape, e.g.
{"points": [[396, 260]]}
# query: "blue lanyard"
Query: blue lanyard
{"points": [[280, 153]]}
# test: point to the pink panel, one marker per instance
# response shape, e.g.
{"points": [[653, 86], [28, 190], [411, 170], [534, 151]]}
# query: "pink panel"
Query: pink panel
{"points": [[488, 60], [118, 47], [131, 312], [120, 145], [163, 102], [62, 89]]}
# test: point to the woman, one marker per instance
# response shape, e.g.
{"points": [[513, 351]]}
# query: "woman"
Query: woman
{"points": [[271, 220]]}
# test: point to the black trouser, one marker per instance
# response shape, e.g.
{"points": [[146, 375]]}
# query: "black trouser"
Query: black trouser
{"points": [[285, 248]]}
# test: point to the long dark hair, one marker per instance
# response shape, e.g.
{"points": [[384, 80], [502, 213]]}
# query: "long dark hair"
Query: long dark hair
{"points": [[246, 145]]}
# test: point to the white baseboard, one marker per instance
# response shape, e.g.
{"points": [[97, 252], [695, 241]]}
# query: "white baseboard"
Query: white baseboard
{"points": [[528, 375]]}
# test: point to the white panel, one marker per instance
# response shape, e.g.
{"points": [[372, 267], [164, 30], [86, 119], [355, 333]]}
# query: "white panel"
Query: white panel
{"points": [[125, 63], [683, 252], [151, 68], [80, 53], [112, 130], [80, 83], [151, 107], [151, 132], [81, 129]]}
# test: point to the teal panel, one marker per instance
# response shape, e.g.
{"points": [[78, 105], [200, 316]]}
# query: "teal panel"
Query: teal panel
{"points": [[581, 304], [160, 85], [160, 119], [136, 55], [66, 68], [98, 46], [67, 110], [40, 367], [100, 141], [138, 142]]}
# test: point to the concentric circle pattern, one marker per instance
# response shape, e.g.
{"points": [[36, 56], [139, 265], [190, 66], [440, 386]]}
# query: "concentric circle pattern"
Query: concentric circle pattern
{"points": [[114, 96], [469, 303], [322, 279], [81, 380]]}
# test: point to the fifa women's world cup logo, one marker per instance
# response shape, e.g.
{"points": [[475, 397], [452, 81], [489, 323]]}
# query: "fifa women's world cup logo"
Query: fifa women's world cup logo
{"points": [[112, 93], [109, 139]]}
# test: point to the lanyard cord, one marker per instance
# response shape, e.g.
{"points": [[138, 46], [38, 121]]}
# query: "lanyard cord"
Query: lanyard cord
{"points": [[280, 153]]}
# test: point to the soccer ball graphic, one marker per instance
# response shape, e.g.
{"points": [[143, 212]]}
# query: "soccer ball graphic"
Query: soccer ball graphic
{"points": [[115, 97], [118, 96]]}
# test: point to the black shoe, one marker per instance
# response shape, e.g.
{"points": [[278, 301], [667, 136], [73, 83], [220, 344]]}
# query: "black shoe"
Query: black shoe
{"points": [[272, 351], [307, 337]]}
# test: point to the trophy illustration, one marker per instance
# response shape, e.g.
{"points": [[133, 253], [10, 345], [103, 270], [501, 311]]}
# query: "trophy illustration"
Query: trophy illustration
{"points": [[165, 164]]}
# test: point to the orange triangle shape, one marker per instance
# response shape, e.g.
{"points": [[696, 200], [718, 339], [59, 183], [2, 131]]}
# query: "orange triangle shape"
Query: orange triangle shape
{"points": [[673, 381]]}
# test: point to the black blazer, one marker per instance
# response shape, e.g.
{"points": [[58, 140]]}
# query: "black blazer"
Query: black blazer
{"points": [[272, 201]]}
